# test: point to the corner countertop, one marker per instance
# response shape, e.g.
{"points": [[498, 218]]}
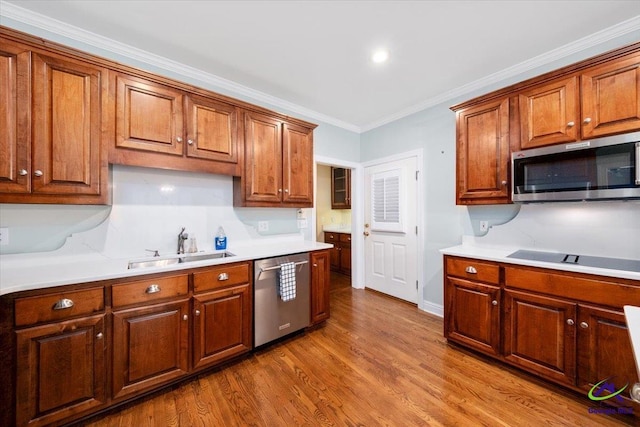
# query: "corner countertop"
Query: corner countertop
{"points": [[24, 272], [500, 255], [336, 229]]}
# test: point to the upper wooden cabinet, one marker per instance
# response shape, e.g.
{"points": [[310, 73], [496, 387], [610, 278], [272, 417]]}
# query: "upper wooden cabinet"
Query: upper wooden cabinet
{"points": [[483, 154], [549, 113], [278, 169], [611, 97], [161, 126], [52, 116], [340, 188]]}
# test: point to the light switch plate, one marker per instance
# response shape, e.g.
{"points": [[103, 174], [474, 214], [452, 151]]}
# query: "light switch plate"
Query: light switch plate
{"points": [[302, 223], [4, 236]]}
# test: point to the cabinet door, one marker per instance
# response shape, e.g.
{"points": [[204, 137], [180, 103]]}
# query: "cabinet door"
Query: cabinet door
{"points": [[549, 113], [611, 98], [604, 350], [483, 154], [67, 126], [15, 141], [297, 165], [222, 325], [60, 370], [211, 129], [320, 286], [540, 335], [263, 158], [340, 188], [472, 314], [345, 258], [148, 116], [150, 346]]}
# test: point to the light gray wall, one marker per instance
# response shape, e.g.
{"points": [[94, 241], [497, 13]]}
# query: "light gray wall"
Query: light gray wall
{"points": [[35, 228], [433, 129]]}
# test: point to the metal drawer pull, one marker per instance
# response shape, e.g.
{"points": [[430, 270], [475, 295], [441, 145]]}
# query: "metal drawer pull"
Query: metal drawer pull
{"points": [[570, 322], [471, 270], [223, 276], [63, 304], [584, 325], [152, 289], [277, 267]]}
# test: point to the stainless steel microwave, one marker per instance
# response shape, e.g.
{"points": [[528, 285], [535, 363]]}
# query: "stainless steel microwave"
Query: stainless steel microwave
{"points": [[598, 169]]}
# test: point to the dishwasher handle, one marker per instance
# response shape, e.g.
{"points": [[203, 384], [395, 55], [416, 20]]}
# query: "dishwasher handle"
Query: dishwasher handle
{"points": [[276, 267]]}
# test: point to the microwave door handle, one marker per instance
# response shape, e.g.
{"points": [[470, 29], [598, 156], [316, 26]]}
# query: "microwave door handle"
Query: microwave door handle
{"points": [[637, 163]]}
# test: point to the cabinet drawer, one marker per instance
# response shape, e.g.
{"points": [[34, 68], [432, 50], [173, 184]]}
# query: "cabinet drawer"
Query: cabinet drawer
{"points": [[62, 305], [221, 276], [149, 290], [345, 238], [473, 270], [331, 237]]}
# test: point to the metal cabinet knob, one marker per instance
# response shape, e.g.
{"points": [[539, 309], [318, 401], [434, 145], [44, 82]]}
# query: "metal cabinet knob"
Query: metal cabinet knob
{"points": [[315, 265], [197, 313], [584, 325], [152, 289], [279, 190], [185, 317], [223, 276], [38, 173], [570, 322], [504, 182], [190, 141], [63, 304], [23, 172], [99, 336], [286, 190], [494, 302], [179, 139], [635, 392], [587, 120], [571, 124], [471, 270]]}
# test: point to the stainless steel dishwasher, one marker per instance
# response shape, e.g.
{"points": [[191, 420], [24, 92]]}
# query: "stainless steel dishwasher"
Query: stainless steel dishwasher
{"points": [[274, 317]]}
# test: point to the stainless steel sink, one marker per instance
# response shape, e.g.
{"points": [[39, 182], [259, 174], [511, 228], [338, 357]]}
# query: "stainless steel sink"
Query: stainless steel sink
{"points": [[163, 262]]}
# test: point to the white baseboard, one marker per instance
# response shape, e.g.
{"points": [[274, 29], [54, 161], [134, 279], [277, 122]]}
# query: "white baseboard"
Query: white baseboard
{"points": [[435, 309]]}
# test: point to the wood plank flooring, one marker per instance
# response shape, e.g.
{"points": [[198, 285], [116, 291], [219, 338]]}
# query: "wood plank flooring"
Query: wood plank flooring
{"points": [[377, 362]]}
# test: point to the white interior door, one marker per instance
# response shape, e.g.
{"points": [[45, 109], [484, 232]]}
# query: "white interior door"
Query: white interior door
{"points": [[391, 228]]}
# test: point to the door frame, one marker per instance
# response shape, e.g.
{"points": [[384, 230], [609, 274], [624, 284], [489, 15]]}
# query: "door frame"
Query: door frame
{"points": [[418, 154], [357, 213]]}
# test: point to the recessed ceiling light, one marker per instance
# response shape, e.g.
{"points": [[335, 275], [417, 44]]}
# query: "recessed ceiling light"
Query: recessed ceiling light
{"points": [[380, 56]]}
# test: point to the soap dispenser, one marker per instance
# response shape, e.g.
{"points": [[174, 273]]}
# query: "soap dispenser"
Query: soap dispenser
{"points": [[220, 240]]}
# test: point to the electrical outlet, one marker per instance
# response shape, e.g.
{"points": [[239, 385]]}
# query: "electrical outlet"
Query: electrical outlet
{"points": [[4, 236], [302, 223], [263, 225], [484, 226]]}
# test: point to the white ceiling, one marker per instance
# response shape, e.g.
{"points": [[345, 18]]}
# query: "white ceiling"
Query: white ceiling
{"points": [[315, 55]]}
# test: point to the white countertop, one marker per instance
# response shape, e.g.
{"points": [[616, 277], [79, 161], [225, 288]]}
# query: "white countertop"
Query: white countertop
{"points": [[24, 272], [336, 229], [500, 255]]}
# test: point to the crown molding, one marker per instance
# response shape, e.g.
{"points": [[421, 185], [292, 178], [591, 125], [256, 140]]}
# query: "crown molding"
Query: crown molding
{"points": [[60, 28], [626, 27]]}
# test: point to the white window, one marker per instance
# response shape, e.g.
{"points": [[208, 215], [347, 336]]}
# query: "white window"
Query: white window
{"points": [[387, 198]]}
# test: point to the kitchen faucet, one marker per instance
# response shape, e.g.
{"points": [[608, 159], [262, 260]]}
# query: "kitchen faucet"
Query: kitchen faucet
{"points": [[181, 238]]}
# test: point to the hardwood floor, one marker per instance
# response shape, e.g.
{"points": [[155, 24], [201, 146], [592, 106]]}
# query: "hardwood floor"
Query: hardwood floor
{"points": [[377, 362]]}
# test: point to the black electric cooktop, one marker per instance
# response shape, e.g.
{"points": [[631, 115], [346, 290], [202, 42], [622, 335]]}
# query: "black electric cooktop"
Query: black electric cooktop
{"points": [[572, 259]]}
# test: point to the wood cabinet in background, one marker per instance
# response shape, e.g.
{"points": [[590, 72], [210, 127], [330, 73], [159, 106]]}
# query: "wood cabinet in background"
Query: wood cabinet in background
{"points": [[52, 120], [341, 251], [320, 287], [278, 169], [483, 154], [340, 188]]}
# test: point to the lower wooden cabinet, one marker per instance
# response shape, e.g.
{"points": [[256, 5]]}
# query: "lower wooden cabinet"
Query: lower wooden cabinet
{"points": [[568, 328], [320, 286], [60, 370], [221, 325], [341, 251], [150, 346]]}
